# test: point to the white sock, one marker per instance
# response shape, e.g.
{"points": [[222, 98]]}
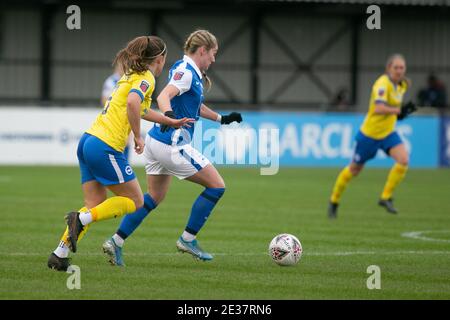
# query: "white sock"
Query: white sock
{"points": [[86, 218], [62, 251], [188, 237], [118, 240]]}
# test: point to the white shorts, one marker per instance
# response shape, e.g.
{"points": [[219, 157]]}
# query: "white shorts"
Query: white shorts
{"points": [[181, 161]]}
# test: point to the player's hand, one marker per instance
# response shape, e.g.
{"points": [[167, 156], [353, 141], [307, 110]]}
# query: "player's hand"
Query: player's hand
{"points": [[234, 116], [406, 110], [139, 145], [170, 114], [184, 122]]}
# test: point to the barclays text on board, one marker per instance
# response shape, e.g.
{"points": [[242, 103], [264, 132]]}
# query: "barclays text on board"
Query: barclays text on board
{"points": [[265, 139]]}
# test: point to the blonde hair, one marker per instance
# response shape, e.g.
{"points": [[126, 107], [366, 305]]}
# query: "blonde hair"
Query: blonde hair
{"points": [[139, 54], [197, 39], [393, 57], [390, 61]]}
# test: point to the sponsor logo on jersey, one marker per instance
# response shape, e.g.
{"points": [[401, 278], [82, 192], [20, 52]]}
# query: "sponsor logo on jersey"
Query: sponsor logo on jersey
{"points": [[178, 75], [144, 86]]}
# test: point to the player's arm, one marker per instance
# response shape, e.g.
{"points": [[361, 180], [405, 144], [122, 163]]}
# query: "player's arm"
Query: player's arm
{"points": [[103, 100], [179, 83], [168, 119], [165, 96], [134, 118], [154, 116], [384, 108], [207, 113], [380, 91]]}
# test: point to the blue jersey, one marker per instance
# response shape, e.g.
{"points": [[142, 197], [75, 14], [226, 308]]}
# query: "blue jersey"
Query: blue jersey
{"points": [[186, 76]]}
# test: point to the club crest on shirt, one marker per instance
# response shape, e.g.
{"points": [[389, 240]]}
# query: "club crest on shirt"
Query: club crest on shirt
{"points": [[381, 92], [144, 86], [178, 75]]}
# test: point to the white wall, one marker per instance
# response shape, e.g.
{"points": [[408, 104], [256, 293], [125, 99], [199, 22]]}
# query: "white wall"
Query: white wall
{"points": [[46, 136]]}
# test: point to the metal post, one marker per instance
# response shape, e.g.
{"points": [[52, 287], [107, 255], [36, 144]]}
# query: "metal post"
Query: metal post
{"points": [[254, 68], [46, 45], [354, 60]]}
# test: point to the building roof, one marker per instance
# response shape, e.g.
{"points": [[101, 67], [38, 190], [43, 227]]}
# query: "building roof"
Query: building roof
{"points": [[377, 2]]}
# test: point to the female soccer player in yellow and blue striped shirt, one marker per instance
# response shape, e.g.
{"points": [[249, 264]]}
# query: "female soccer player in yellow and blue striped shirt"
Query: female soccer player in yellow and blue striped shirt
{"points": [[378, 132], [100, 150]]}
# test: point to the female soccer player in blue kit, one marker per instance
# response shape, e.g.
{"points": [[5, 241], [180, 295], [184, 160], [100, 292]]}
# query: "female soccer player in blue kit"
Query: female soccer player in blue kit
{"points": [[100, 150], [168, 152]]}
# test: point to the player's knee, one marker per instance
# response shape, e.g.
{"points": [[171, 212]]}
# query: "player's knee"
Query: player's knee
{"points": [[216, 183], [157, 197], [221, 185], [138, 201], [404, 161], [355, 170]]}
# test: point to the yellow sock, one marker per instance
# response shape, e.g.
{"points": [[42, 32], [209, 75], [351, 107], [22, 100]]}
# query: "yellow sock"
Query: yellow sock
{"points": [[341, 182], [112, 208], [66, 233], [395, 176]]}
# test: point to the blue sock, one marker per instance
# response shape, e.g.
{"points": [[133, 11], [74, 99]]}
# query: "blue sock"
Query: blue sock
{"points": [[202, 208], [131, 221]]}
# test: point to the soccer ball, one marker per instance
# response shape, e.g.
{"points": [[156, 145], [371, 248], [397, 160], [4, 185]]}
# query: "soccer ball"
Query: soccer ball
{"points": [[285, 249]]}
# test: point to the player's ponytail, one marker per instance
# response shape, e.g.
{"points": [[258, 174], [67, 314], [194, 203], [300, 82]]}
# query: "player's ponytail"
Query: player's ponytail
{"points": [[208, 82], [197, 39], [139, 54]]}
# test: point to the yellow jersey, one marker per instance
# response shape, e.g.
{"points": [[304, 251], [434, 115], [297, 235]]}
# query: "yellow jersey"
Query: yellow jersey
{"points": [[378, 126], [112, 125]]}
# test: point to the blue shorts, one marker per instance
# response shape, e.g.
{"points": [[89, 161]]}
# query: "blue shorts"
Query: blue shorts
{"points": [[366, 148], [98, 161]]}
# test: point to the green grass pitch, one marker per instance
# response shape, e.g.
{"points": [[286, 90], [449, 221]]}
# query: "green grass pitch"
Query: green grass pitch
{"points": [[253, 210]]}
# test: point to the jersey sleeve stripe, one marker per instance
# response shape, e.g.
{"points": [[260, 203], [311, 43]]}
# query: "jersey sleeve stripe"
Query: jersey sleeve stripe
{"points": [[138, 92]]}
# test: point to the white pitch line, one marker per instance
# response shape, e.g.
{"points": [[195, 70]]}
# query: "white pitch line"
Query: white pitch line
{"points": [[419, 235], [337, 253]]}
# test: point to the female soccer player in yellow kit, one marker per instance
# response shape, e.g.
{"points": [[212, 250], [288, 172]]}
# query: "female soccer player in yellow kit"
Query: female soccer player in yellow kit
{"points": [[100, 150], [378, 132]]}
